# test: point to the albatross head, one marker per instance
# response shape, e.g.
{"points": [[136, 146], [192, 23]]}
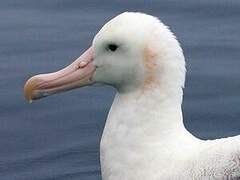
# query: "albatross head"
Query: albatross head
{"points": [[133, 51]]}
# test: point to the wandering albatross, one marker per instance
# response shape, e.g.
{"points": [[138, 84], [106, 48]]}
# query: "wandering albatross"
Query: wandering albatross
{"points": [[144, 137]]}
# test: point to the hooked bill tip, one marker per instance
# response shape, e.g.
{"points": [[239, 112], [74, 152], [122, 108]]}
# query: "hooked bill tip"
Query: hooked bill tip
{"points": [[28, 89]]}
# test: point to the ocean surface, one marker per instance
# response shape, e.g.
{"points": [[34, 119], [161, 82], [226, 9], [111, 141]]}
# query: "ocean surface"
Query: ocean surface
{"points": [[57, 138]]}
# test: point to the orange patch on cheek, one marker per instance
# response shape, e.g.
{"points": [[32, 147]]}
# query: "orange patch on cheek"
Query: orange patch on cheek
{"points": [[149, 58], [150, 65]]}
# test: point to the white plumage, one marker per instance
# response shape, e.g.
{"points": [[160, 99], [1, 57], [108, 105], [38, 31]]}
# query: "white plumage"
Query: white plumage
{"points": [[144, 136]]}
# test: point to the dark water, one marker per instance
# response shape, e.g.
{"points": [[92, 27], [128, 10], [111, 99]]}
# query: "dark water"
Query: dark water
{"points": [[58, 138]]}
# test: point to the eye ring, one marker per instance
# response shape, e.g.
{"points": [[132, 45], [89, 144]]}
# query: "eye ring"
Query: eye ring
{"points": [[112, 47]]}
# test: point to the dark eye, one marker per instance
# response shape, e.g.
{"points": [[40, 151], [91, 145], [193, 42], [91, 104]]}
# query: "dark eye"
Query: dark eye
{"points": [[112, 47]]}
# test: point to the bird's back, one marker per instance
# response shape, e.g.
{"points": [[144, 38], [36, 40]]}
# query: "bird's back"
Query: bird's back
{"points": [[219, 160]]}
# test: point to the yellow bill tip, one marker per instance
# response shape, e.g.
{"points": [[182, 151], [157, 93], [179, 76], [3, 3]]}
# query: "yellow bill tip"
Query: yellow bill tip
{"points": [[28, 89]]}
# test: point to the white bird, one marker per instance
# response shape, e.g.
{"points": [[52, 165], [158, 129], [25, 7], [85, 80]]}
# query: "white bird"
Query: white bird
{"points": [[144, 137]]}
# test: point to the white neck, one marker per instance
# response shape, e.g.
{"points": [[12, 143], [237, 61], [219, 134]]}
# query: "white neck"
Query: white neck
{"points": [[158, 114], [142, 125]]}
